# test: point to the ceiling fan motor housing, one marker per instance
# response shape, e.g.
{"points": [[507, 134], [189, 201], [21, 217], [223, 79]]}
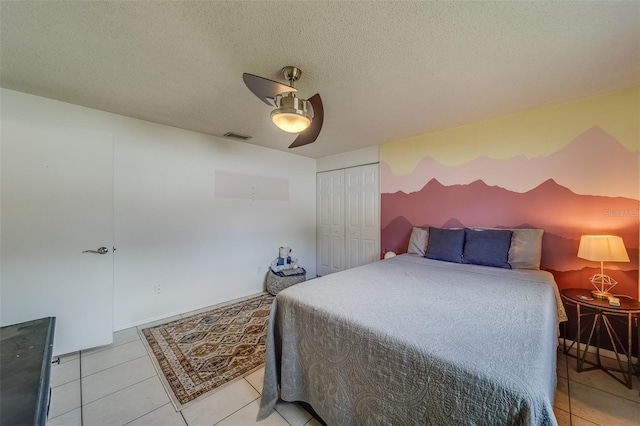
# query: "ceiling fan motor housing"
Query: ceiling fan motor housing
{"points": [[291, 74]]}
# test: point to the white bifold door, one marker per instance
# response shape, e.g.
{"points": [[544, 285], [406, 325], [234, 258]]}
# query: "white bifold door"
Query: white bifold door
{"points": [[330, 222], [57, 202], [348, 228], [362, 215]]}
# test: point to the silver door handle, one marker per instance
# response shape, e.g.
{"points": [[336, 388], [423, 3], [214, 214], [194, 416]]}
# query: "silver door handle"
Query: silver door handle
{"points": [[101, 250]]}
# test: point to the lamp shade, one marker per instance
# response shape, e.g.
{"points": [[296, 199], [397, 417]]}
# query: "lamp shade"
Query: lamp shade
{"points": [[602, 248]]}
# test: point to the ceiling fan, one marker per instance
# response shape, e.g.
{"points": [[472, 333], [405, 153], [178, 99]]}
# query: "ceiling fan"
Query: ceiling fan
{"points": [[292, 114]]}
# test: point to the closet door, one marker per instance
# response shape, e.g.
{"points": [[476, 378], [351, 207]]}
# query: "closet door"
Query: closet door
{"points": [[330, 222], [362, 215]]}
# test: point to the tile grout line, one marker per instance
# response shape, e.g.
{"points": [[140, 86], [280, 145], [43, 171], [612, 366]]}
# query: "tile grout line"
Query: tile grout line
{"points": [[245, 379], [81, 410], [79, 379], [569, 380], [604, 391], [566, 365], [281, 415], [586, 420], [66, 412], [274, 409], [246, 405], [106, 348], [595, 387], [114, 366], [65, 383], [183, 419], [69, 360], [139, 417], [119, 390]]}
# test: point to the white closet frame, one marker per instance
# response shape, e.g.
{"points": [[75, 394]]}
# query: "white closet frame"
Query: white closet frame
{"points": [[348, 218]]}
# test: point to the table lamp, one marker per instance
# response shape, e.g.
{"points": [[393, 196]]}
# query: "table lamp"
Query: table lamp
{"points": [[601, 248]]}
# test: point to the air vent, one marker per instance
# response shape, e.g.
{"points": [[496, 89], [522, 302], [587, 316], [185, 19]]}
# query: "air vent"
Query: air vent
{"points": [[236, 136]]}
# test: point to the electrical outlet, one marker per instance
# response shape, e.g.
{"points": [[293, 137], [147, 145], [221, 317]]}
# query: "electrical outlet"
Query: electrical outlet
{"points": [[157, 289]]}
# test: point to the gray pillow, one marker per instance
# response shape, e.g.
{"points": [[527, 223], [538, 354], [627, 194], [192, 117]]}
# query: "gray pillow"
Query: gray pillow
{"points": [[418, 241], [526, 248]]}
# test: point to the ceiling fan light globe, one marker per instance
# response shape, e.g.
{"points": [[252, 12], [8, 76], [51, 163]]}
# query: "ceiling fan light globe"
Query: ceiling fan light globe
{"points": [[292, 114], [290, 122]]}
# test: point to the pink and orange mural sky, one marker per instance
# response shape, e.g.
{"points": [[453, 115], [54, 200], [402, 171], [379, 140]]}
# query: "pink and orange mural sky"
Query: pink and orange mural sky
{"points": [[570, 169]]}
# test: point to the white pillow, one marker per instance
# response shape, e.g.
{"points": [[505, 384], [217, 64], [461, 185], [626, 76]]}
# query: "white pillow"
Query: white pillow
{"points": [[418, 241]]}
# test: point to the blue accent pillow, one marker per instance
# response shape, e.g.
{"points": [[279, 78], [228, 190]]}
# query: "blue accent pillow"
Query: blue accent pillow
{"points": [[445, 244], [488, 247]]}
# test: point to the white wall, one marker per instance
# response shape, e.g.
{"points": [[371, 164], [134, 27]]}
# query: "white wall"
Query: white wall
{"points": [[358, 157], [169, 227]]}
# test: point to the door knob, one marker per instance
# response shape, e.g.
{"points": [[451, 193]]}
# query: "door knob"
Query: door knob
{"points": [[101, 250]]}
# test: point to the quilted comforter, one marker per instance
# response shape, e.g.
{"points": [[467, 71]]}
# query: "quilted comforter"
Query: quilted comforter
{"points": [[409, 340]]}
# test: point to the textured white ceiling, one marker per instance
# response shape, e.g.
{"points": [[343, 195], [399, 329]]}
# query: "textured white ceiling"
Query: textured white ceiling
{"points": [[385, 70]]}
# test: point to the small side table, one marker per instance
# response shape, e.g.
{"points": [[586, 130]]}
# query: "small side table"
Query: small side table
{"points": [[598, 312]]}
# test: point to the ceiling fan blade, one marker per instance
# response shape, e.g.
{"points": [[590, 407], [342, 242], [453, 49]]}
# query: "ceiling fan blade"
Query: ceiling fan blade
{"points": [[311, 134], [264, 88]]}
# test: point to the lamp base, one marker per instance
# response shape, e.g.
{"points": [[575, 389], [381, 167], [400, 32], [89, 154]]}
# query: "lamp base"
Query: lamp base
{"points": [[601, 294], [603, 284]]}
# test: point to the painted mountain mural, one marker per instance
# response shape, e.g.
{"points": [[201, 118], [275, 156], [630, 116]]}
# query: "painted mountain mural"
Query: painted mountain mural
{"points": [[561, 211], [564, 216], [589, 186], [578, 166]]}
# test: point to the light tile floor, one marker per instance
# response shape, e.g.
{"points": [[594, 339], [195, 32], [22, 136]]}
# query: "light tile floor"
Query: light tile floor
{"points": [[117, 385]]}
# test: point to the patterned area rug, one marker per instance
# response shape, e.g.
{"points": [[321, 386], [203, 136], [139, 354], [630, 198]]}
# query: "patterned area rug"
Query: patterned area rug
{"points": [[203, 352]]}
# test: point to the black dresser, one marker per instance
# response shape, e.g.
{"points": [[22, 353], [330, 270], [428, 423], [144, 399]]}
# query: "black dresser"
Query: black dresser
{"points": [[25, 368]]}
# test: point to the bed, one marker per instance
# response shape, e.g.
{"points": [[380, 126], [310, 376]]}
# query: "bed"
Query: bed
{"points": [[411, 340]]}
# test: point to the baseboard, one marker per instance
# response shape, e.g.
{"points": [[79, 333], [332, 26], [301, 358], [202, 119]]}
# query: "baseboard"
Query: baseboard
{"points": [[184, 311], [604, 352]]}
